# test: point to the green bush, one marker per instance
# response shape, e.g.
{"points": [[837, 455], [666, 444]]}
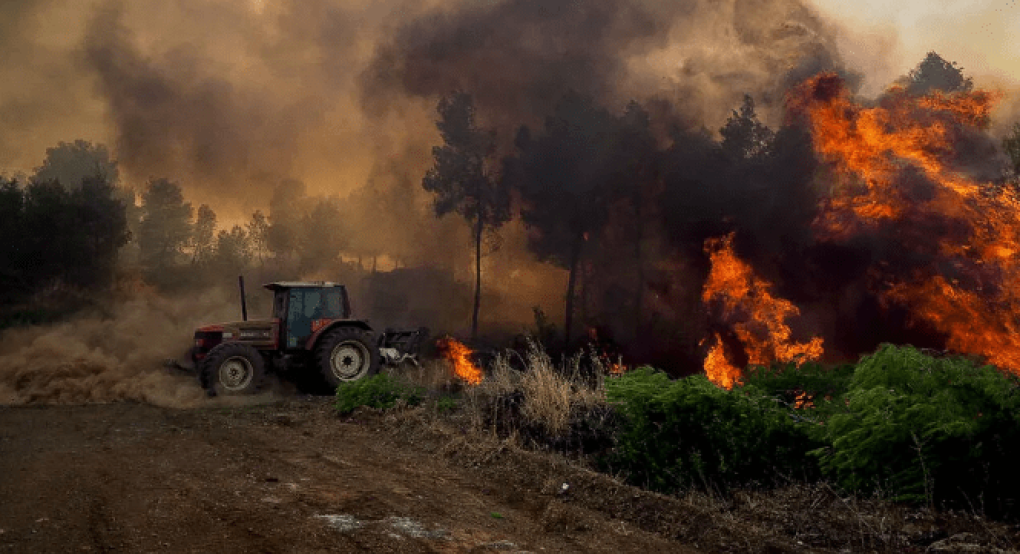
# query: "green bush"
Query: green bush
{"points": [[786, 380], [923, 429], [690, 433], [446, 404], [379, 391]]}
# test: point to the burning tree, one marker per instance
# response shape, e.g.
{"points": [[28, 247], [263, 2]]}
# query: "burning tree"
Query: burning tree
{"points": [[758, 319], [462, 180], [905, 176]]}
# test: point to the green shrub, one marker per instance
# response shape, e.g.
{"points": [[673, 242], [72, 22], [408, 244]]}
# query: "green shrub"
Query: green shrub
{"points": [[379, 391], [691, 433], [786, 380], [923, 429], [446, 404]]}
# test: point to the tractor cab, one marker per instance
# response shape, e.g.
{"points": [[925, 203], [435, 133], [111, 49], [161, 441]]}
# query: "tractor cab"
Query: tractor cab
{"points": [[302, 309]]}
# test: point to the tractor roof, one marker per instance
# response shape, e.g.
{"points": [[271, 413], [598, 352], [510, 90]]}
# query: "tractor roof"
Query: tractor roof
{"points": [[282, 285]]}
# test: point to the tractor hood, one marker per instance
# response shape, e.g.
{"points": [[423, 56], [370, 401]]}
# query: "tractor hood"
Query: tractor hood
{"points": [[263, 334], [254, 329]]}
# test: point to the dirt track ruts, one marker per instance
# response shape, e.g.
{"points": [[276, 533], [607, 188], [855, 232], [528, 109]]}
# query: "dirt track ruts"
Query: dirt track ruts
{"points": [[288, 477]]}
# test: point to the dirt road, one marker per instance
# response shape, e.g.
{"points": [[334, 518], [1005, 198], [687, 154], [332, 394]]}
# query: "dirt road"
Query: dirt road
{"points": [[289, 477]]}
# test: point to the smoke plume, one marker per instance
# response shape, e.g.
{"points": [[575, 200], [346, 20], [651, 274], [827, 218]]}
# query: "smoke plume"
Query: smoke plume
{"points": [[519, 57]]}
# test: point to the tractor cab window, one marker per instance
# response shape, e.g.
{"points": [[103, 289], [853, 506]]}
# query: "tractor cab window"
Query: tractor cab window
{"points": [[279, 306], [308, 305], [333, 307], [300, 310], [313, 304]]}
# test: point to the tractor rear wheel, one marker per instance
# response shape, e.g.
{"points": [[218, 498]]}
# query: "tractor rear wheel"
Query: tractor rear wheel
{"points": [[347, 354], [233, 368]]}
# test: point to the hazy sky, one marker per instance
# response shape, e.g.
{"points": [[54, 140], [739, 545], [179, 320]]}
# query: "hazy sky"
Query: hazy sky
{"points": [[889, 37]]}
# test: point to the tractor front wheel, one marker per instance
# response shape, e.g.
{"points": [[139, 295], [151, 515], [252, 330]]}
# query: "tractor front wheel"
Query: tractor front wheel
{"points": [[233, 368], [347, 354]]}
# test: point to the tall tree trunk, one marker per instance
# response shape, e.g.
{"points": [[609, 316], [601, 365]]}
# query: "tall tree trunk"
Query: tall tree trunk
{"points": [[575, 256], [639, 260], [479, 227]]}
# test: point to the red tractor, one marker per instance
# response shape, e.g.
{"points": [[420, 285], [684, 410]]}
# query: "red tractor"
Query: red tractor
{"points": [[311, 330]]}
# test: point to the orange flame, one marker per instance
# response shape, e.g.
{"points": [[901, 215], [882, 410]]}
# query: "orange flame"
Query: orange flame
{"points": [[897, 163], [758, 318], [460, 356], [870, 149], [719, 370]]}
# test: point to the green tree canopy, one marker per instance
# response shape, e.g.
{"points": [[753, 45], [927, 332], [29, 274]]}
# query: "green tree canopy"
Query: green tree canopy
{"points": [[568, 177], [322, 235], [165, 228], [204, 233], [462, 181], [70, 163], [744, 137], [51, 234], [258, 234], [935, 73], [233, 250]]}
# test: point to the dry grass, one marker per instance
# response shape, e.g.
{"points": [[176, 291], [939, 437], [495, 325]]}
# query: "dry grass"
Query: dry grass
{"points": [[545, 394], [433, 375]]}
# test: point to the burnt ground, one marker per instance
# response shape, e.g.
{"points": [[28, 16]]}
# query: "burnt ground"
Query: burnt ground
{"points": [[288, 477]]}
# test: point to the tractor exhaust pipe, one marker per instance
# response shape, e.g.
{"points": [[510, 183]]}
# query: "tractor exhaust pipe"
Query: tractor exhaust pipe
{"points": [[244, 303]]}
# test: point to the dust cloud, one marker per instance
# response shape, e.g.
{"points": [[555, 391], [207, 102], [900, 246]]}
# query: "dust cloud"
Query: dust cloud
{"points": [[116, 356]]}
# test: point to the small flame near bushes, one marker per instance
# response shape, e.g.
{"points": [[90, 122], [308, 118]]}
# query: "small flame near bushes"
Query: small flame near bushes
{"points": [[459, 356]]}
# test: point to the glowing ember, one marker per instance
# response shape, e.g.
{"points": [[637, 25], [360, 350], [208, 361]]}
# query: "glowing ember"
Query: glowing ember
{"points": [[459, 356], [804, 401], [757, 318], [897, 166], [600, 352]]}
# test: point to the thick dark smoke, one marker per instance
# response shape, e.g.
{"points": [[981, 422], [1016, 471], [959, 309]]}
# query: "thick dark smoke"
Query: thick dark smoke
{"points": [[177, 115], [519, 57], [231, 98]]}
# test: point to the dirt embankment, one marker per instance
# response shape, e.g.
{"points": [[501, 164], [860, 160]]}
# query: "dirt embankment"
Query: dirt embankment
{"points": [[288, 477]]}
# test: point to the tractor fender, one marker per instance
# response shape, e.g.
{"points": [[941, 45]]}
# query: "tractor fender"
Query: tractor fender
{"points": [[314, 339]]}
